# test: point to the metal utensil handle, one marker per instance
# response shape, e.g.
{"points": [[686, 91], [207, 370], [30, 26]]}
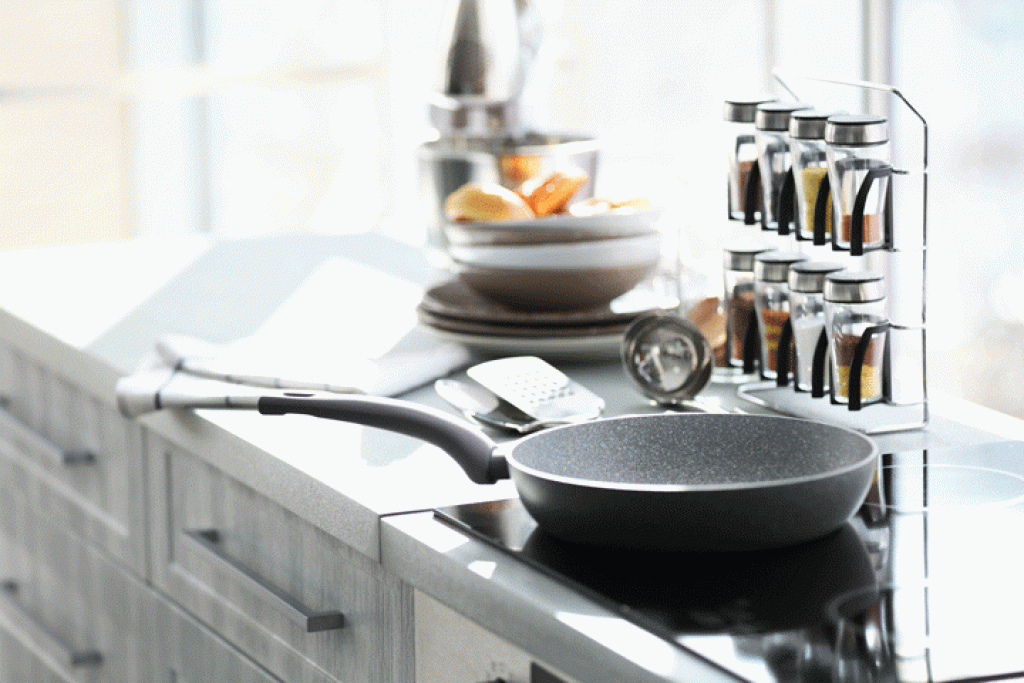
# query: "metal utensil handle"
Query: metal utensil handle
{"points": [[471, 449], [53, 644], [311, 621]]}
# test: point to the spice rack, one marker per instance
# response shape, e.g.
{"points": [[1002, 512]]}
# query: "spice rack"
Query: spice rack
{"points": [[901, 258]]}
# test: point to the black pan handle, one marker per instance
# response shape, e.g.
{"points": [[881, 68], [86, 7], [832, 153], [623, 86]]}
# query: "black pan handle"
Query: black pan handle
{"points": [[468, 446]]}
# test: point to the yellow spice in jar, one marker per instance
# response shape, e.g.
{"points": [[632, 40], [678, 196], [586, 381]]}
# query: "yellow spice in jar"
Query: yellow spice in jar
{"points": [[810, 180]]}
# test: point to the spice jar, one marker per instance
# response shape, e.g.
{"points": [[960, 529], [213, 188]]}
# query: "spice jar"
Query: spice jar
{"points": [[771, 295], [742, 153], [855, 310], [810, 167], [741, 321], [807, 314], [859, 172], [771, 132]]}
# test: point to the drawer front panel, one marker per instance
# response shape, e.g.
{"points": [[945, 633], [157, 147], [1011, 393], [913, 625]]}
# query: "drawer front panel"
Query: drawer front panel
{"points": [[190, 653], [67, 612], [85, 460], [302, 604]]}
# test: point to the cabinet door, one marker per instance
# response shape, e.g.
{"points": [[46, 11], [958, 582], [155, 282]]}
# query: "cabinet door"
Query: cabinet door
{"points": [[86, 462], [65, 609], [299, 602]]}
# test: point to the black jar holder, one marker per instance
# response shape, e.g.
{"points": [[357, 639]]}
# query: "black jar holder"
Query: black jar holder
{"points": [[903, 404]]}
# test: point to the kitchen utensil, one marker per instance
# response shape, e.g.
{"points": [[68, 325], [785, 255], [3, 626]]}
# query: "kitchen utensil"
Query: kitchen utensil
{"points": [[856, 326], [741, 319], [771, 295], [807, 312], [857, 148], [742, 154], [668, 358], [483, 406], [538, 389], [771, 133], [672, 481], [810, 167]]}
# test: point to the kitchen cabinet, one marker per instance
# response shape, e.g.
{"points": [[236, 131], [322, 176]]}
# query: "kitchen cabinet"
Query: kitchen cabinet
{"points": [[300, 602]]}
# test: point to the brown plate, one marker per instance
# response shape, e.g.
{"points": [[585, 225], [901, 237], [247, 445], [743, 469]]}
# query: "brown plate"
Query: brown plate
{"points": [[455, 301]]}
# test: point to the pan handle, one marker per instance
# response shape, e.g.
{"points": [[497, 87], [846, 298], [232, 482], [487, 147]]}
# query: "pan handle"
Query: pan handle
{"points": [[470, 448]]}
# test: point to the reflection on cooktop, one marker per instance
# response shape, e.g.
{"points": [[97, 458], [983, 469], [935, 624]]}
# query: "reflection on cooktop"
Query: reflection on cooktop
{"points": [[921, 585]]}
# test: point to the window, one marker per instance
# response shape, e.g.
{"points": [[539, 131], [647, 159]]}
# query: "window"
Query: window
{"points": [[238, 117]]}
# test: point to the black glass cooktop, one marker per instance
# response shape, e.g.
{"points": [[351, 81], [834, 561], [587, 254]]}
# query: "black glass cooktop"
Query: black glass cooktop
{"points": [[925, 583]]}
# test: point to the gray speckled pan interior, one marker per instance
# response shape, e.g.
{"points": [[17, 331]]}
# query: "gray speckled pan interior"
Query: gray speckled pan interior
{"points": [[692, 450]]}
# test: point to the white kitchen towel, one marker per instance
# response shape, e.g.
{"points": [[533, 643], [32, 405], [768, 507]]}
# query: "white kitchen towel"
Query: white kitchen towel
{"points": [[392, 374]]}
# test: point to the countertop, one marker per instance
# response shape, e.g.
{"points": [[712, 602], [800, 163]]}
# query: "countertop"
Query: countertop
{"points": [[96, 311]]}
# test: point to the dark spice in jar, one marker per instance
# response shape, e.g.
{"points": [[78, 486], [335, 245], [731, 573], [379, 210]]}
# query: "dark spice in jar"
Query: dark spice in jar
{"points": [[741, 308]]}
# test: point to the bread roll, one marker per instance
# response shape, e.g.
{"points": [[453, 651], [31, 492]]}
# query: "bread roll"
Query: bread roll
{"points": [[485, 202], [548, 194]]}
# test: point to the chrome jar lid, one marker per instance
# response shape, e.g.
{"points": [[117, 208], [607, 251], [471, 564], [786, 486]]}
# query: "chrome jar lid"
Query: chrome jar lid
{"points": [[809, 124], [854, 288], [741, 256], [856, 129], [774, 116], [809, 276], [774, 266], [742, 110]]}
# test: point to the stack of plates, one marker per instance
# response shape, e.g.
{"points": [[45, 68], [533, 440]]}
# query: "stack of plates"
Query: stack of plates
{"points": [[560, 262], [455, 311]]}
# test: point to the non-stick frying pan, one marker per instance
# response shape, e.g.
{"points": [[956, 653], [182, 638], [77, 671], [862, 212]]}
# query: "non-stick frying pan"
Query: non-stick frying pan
{"points": [[662, 481]]}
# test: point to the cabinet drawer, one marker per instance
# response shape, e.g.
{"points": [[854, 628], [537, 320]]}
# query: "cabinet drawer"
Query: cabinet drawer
{"points": [[66, 612], [191, 653], [85, 461], [299, 602]]}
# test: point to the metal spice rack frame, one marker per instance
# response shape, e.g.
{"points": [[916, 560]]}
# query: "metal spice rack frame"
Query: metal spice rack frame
{"points": [[903, 262]]}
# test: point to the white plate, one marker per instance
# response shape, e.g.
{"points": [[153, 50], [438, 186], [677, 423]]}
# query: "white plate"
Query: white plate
{"points": [[592, 347], [604, 253], [614, 222]]}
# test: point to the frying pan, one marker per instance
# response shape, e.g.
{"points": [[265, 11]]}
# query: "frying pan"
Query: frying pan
{"points": [[673, 481]]}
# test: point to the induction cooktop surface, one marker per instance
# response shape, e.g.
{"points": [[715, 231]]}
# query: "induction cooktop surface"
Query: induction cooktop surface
{"points": [[923, 584]]}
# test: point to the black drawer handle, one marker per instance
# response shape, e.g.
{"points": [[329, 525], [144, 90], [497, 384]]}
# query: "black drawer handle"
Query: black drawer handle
{"points": [[54, 645], [311, 621], [26, 439]]}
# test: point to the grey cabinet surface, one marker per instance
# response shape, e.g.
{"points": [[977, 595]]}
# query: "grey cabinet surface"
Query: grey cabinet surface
{"points": [[298, 601], [66, 611], [81, 462]]}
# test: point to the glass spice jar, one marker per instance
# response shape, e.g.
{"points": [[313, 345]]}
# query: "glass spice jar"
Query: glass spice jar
{"points": [[771, 125], [810, 167], [742, 152], [807, 314], [857, 146], [771, 295], [738, 271], [855, 304]]}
